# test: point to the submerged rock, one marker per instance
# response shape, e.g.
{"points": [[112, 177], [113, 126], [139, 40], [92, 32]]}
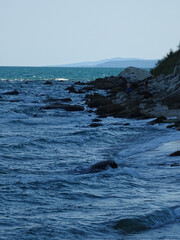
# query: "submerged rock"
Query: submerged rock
{"points": [[96, 120], [65, 107], [160, 119], [14, 92], [66, 99], [175, 165], [73, 108], [48, 83], [174, 154], [71, 89], [96, 124], [103, 165]]}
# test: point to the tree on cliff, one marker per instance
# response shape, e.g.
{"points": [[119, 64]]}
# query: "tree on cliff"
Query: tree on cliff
{"points": [[167, 64]]}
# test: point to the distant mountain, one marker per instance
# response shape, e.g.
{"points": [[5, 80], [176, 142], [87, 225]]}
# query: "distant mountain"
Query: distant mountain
{"points": [[115, 63]]}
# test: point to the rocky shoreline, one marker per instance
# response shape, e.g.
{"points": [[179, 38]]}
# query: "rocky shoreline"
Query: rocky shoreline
{"points": [[148, 97]]}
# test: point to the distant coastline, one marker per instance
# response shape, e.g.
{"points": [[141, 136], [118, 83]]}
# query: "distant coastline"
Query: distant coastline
{"points": [[114, 63]]}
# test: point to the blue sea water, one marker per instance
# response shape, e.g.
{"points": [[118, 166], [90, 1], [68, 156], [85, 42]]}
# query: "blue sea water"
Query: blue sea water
{"points": [[45, 190]]}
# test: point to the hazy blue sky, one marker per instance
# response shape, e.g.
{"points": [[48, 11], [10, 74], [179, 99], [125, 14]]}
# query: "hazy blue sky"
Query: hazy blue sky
{"points": [[47, 32]]}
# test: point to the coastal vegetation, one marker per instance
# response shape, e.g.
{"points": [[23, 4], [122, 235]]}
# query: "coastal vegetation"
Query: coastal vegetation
{"points": [[167, 64]]}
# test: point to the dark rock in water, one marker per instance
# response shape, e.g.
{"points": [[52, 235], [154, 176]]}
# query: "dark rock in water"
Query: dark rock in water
{"points": [[88, 88], [126, 124], [71, 89], [159, 119], [79, 83], [96, 100], [73, 108], [177, 153], [80, 91], [110, 109], [90, 111], [176, 124], [48, 83], [57, 100], [103, 165], [175, 165], [15, 92], [96, 120], [64, 106], [96, 125], [16, 101], [66, 99]]}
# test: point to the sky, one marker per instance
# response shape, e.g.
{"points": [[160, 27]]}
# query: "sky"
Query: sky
{"points": [[54, 32]]}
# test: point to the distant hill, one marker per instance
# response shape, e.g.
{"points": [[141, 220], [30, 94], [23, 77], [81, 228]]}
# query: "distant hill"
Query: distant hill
{"points": [[126, 63], [114, 63]]}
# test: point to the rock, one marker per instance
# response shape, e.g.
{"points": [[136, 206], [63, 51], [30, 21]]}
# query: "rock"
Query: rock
{"points": [[73, 108], [177, 69], [88, 88], [175, 165], [57, 100], [103, 165], [15, 92], [65, 107], [15, 101], [121, 96], [160, 119], [96, 100], [80, 91], [79, 83], [110, 109], [126, 124], [66, 99], [136, 113], [108, 83], [177, 153], [133, 74], [96, 120], [96, 124], [48, 83], [173, 100], [71, 89]]}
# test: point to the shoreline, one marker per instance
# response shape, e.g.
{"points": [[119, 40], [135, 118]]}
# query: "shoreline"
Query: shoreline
{"points": [[149, 97]]}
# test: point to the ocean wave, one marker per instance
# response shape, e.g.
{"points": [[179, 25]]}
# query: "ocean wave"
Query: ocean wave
{"points": [[150, 221]]}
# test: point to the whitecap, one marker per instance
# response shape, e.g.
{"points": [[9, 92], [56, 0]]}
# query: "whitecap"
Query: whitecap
{"points": [[61, 79]]}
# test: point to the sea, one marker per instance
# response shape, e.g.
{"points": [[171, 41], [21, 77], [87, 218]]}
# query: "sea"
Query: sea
{"points": [[46, 190]]}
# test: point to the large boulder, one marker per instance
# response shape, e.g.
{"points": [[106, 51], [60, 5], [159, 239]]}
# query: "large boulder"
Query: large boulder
{"points": [[133, 74]]}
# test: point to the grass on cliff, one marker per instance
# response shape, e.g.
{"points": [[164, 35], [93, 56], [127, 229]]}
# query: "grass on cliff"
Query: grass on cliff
{"points": [[167, 64]]}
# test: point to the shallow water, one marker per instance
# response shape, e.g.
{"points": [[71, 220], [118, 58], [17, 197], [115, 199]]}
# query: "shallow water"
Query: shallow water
{"points": [[45, 190]]}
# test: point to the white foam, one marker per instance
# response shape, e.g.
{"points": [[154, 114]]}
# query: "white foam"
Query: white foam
{"points": [[61, 79]]}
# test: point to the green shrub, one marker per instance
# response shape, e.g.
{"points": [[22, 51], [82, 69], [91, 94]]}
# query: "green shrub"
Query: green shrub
{"points": [[167, 64]]}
